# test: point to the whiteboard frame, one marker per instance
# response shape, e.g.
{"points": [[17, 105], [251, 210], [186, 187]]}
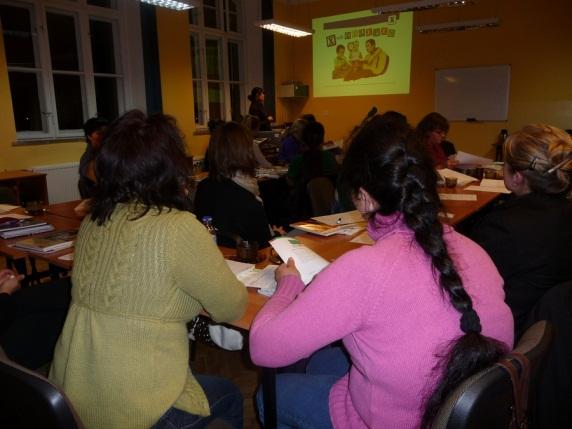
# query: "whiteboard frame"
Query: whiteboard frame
{"points": [[473, 93]]}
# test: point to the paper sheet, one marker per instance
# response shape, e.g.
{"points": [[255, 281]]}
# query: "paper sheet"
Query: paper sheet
{"points": [[307, 261], [344, 218], [468, 158], [458, 197], [238, 267], [259, 279], [490, 185], [462, 179], [66, 257], [4, 208], [16, 216]]}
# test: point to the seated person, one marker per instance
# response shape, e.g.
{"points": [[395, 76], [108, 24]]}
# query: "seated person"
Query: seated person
{"points": [[31, 319], [291, 144], [143, 268], [230, 194], [405, 308], [528, 237], [94, 130], [431, 133], [312, 163], [252, 125]]}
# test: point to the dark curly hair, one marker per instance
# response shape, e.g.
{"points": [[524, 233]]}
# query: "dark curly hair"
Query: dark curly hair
{"points": [[143, 161], [396, 173]]}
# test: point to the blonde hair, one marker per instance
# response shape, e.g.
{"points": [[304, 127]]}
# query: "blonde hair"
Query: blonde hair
{"points": [[543, 154]]}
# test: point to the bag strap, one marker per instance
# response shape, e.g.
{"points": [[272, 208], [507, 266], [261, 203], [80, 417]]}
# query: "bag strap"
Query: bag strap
{"points": [[520, 384]]}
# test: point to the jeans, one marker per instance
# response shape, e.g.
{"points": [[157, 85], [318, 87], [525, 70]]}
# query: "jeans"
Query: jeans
{"points": [[302, 400], [225, 402]]}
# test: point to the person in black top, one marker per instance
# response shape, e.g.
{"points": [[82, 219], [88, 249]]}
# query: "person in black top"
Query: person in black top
{"points": [[529, 236], [94, 130], [230, 194], [257, 108]]}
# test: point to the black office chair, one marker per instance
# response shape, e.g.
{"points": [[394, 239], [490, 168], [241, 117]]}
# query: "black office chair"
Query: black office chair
{"points": [[28, 400], [322, 195], [553, 408], [487, 399]]}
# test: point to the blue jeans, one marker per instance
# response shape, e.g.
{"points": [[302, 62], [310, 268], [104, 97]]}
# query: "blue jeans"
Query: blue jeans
{"points": [[302, 400], [225, 402]]}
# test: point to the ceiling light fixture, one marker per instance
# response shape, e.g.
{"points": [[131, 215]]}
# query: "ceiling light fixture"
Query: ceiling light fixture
{"points": [[174, 4], [420, 5], [459, 25], [283, 28]]}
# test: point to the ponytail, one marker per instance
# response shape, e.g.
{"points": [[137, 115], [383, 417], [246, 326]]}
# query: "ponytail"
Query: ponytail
{"points": [[472, 351]]}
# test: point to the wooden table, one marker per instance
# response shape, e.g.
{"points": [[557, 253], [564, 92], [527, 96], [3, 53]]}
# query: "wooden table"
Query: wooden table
{"points": [[464, 209], [26, 185]]}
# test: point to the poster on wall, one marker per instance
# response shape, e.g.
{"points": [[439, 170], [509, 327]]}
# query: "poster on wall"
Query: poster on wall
{"points": [[362, 53]]}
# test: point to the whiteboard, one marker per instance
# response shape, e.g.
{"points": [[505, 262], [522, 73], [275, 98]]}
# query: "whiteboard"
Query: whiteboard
{"points": [[473, 93]]}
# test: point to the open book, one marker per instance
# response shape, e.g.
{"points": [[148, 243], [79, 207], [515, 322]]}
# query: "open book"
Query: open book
{"points": [[307, 261]]}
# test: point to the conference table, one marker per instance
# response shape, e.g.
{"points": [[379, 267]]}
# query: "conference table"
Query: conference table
{"points": [[62, 216]]}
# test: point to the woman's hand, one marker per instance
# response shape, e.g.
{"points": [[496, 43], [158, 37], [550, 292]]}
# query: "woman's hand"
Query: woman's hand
{"points": [[9, 281], [287, 269]]}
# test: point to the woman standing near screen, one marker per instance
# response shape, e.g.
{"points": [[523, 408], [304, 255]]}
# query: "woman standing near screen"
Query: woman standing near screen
{"points": [[257, 108]]}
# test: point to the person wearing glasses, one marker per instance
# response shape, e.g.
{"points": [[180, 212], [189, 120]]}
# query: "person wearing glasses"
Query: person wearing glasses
{"points": [[257, 108], [528, 237], [431, 133]]}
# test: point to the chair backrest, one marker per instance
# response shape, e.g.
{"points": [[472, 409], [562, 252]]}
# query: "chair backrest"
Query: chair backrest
{"points": [[322, 195], [486, 399], [28, 400]]}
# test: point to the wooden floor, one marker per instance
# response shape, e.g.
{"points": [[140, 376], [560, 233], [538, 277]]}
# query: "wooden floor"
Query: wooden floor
{"points": [[235, 366]]}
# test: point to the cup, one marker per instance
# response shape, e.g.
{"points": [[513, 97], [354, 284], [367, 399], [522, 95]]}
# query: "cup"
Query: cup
{"points": [[490, 174], [35, 208], [247, 251], [450, 182]]}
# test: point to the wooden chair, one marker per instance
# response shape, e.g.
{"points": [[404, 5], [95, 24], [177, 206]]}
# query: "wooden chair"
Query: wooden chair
{"points": [[28, 400], [487, 399], [322, 195]]}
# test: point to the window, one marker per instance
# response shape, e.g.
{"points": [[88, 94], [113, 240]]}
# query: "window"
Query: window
{"points": [[216, 52], [63, 64]]}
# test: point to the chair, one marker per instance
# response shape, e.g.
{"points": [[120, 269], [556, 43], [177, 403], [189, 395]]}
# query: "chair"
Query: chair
{"points": [[486, 399], [553, 409], [28, 400], [322, 195]]}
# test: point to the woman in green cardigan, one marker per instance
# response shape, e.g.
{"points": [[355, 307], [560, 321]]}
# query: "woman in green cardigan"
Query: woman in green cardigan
{"points": [[144, 266]]}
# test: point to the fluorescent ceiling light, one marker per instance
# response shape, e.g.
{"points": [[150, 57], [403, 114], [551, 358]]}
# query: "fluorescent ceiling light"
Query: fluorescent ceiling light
{"points": [[282, 27], [174, 4], [459, 25], [420, 5]]}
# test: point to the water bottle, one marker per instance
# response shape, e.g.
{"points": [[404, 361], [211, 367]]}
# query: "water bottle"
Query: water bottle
{"points": [[208, 223]]}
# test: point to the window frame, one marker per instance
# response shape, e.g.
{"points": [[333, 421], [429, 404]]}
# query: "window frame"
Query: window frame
{"points": [[83, 13], [203, 33]]}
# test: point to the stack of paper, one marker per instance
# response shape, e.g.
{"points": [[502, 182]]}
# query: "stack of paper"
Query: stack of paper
{"points": [[347, 223], [49, 243], [470, 159], [5, 208]]}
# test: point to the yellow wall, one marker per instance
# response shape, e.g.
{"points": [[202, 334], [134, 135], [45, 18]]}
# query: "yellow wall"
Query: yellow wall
{"points": [[177, 90], [176, 76], [533, 37], [15, 157]]}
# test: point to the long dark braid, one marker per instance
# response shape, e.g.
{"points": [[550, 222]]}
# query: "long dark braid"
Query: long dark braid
{"points": [[401, 178]]}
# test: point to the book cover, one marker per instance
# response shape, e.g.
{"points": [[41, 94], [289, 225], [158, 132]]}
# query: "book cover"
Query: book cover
{"points": [[53, 242], [16, 223], [36, 229], [316, 228]]}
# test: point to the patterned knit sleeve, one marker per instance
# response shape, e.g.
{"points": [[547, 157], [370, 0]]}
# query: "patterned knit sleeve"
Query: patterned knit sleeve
{"points": [[202, 272]]}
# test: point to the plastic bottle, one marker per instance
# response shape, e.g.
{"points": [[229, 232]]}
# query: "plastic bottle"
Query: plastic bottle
{"points": [[208, 223]]}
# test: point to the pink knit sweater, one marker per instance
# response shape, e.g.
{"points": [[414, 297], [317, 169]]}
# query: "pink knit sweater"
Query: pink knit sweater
{"points": [[383, 301]]}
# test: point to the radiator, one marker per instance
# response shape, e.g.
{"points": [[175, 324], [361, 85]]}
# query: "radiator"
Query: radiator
{"points": [[62, 181]]}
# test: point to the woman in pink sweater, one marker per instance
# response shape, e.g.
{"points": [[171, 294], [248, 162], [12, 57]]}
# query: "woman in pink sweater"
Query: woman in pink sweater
{"points": [[414, 310]]}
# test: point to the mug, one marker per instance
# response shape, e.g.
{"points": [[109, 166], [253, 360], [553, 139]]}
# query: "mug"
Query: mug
{"points": [[247, 251]]}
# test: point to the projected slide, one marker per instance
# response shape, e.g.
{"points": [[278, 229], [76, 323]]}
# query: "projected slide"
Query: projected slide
{"points": [[362, 53]]}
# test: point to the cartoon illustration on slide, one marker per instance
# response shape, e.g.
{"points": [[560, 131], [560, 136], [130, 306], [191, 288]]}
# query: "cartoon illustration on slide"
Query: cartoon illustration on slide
{"points": [[374, 63], [341, 64]]}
